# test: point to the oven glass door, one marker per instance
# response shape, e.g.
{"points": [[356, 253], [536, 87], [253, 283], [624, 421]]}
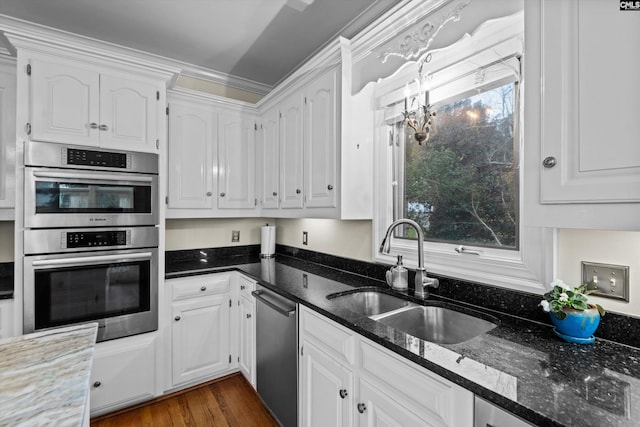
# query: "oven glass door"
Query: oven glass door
{"points": [[117, 290], [55, 198]]}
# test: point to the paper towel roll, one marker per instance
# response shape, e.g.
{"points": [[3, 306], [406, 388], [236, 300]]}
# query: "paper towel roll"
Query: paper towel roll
{"points": [[267, 241]]}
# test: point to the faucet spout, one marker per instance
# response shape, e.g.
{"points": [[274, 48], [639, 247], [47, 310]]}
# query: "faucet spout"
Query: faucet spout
{"points": [[422, 281]]}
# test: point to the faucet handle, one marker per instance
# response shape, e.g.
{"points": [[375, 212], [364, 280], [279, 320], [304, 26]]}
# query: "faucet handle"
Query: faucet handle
{"points": [[430, 281]]}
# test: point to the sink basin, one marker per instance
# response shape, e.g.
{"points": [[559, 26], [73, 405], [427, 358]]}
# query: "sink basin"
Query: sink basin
{"points": [[437, 324], [370, 302]]}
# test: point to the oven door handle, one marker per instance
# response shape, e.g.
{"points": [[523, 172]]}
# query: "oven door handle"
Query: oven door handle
{"points": [[90, 259], [90, 176]]}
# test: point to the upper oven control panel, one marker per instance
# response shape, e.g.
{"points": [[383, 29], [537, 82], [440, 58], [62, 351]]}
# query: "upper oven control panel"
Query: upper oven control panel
{"points": [[105, 159]]}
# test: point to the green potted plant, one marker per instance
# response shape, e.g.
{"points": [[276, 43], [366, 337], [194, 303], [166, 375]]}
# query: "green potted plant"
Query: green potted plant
{"points": [[574, 318]]}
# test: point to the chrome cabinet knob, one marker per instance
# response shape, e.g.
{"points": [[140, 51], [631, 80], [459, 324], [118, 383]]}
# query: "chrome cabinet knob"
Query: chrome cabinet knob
{"points": [[343, 393], [329, 187], [549, 162], [209, 193], [275, 194], [177, 318], [362, 407], [103, 127], [298, 191], [97, 384], [222, 194], [248, 315], [93, 125], [204, 288], [242, 287]]}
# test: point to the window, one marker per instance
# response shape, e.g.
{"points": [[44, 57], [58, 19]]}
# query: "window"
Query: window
{"points": [[464, 186]]}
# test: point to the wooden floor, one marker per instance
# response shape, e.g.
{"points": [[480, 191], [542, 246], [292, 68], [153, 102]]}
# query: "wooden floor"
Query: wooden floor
{"points": [[229, 401]]}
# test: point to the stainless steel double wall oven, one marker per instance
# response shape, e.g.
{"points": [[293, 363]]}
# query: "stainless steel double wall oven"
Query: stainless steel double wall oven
{"points": [[90, 239]]}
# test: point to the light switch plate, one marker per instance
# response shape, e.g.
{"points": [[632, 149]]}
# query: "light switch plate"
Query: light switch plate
{"points": [[607, 280], [235, 235]]}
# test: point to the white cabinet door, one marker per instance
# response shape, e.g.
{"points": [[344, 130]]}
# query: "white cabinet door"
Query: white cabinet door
{"points": [[590, 106], [247, 351], [327, 389], [65, 103], [7, 136], [128, 114], [268, 160], [236, 161], [200, 338], [320, 141], [192, 137], [291, 152], [123, 373], [377, 409]]}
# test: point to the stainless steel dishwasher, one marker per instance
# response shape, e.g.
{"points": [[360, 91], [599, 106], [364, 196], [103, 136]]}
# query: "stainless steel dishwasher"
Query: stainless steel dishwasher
{"points": [[277, 354]]}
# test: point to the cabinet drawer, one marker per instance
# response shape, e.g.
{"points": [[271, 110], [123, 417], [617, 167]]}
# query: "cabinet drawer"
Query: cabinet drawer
{"points": [[123, 373], [432, 396], [246, 286], [337, 340], [208, 284]]}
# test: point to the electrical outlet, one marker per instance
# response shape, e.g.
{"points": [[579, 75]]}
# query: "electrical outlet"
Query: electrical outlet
{"points": [[305, 237], [606, 280], [235, 235]]}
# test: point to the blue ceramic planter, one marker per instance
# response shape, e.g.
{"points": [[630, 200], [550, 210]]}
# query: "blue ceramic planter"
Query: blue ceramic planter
{"points": [[578, 326]]}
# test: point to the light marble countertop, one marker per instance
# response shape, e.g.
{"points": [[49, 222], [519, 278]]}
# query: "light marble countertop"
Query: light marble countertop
{"points": [[44, 376]]}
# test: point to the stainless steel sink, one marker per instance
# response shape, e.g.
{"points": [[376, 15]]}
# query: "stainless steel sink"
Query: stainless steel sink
{"points": [[437, 324], [370, 302]]}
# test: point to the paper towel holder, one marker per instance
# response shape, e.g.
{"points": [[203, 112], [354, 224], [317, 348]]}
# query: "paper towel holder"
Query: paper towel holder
{"points": [[267, 250]]}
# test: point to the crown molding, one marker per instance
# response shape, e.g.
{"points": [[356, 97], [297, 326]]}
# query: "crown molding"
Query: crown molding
{"points": [[25, 33]]}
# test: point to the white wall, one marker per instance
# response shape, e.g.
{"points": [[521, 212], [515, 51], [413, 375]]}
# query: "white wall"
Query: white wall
{"points": [[349, 239], [607, 247], [6, 241], [212, 233]]}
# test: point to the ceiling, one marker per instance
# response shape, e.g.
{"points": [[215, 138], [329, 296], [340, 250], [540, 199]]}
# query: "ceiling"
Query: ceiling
{"points": [[257, 40]]}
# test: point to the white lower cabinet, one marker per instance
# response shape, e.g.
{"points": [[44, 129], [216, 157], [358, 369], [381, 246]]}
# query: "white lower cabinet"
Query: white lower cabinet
{"points": [[200, 329], [123, 373], [7, 327], [379, 387], [247, 329], [326, 394], [488, 415]]}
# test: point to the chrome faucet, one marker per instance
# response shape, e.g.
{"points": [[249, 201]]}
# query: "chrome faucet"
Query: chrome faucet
{"points": [[422, 281]]}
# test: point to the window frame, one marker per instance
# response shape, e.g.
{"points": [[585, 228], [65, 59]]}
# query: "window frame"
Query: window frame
{"points": [[527, 268]]}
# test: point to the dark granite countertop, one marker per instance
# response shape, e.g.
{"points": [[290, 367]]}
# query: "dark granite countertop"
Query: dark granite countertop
{"points": [[520, 365]]}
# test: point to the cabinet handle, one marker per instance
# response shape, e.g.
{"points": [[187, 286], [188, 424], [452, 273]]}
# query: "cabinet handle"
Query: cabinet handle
{"points": [[177, 318], [209, 193], [298, 191], [103, 127], [275, 194], [329, 187], [93, 125], [549, 162], [248, 315], [97, 384], [222, 194], [343, 393], [362, 407]]}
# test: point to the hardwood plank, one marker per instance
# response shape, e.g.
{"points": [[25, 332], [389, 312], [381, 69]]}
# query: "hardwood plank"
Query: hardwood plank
{"points": [[228, 402]]}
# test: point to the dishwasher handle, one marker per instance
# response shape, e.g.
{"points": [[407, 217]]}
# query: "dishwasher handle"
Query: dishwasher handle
{"points": [[262, 296]]}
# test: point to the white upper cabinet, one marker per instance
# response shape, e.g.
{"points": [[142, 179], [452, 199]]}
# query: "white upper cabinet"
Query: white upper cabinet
{"points": [[7, 138], [192, 154], [212, 157], [291, 151], [80, 105], [585, 172], [236, 162], [268, 160], [320, 141]]}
